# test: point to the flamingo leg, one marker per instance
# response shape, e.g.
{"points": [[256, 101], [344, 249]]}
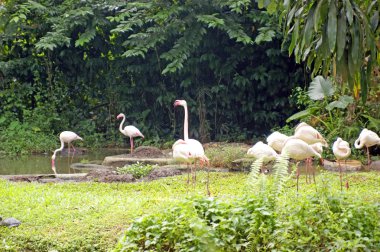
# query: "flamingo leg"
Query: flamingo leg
{"points": [[306, 170], [340, 176], [297, 175], [188, 173], [368, 157], [345, 168], [131, 141]]}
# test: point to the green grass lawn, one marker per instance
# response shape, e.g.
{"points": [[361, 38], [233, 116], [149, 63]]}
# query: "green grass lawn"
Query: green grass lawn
{"points": [[92, 216]]}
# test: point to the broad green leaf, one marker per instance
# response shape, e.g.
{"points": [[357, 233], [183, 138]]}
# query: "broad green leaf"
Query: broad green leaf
{"points": [[320, 88], [342, 103], [342, 67], [355, 47], [318, 17], [341, 36], [298, 115], [349, 12], [332, 26], [295, 36], [308, 31], [375, 20], [363, 85]]}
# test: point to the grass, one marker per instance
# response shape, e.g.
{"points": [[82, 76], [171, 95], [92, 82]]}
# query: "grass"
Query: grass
{"points": [[93, 216]]}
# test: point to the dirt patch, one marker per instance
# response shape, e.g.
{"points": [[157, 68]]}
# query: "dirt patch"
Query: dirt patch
{"points": [[163, 172], [147, 152]]}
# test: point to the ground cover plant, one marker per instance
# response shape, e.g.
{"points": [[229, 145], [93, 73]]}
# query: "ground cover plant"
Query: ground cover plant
{"points": [[270, 216]]}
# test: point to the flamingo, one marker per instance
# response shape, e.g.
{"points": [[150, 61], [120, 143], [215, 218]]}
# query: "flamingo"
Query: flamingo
{"points": [[262, 150], [298, 149], [129, 131], [276, 140], [64, 137], [308, 134], [189, 150], [341, 150], [367, 138]]}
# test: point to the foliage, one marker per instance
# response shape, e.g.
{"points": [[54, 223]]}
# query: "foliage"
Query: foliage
{"points": [[87, 61], [335, 38], [333, 113], [325, 218], [138, 170]]}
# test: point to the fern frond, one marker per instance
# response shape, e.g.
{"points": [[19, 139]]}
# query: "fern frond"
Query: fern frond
{"points": [[253, 177], [280, 173]]}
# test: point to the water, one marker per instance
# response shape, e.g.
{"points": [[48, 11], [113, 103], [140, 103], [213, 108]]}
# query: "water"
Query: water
{"points": [[41, 164]]}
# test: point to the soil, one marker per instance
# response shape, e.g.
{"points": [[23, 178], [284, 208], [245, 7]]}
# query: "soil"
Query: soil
{"points": [[147, 152]]}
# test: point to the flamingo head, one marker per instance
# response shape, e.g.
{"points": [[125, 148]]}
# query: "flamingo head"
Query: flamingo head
{"points": [[121, 115], [180, 103]]}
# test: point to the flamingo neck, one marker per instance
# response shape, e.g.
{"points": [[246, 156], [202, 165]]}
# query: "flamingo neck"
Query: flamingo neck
{"points": [[59, 149], [186, 124], [121, 125]]}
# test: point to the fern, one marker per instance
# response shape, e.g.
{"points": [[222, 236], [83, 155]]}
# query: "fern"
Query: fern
{"points": [[280, 173], [253, 177]]}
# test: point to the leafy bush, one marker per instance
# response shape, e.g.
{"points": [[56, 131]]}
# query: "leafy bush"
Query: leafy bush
{"points": [[137, 170], [267, 218]]}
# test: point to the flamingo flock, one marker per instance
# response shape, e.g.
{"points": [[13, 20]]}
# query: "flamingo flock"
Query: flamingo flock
{"points": [[305, 144]]}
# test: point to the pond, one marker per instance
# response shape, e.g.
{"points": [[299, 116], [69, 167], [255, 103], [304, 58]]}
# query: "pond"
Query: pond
{"points": [[41, 164]]}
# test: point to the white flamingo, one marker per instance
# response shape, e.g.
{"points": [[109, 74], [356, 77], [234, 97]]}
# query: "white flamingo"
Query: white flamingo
{"points": [[342, 151], [64, 137], [276, 140], [129, 131], [308, 134], [299, 150], [262, 150], [367, 138], [189, 150]]}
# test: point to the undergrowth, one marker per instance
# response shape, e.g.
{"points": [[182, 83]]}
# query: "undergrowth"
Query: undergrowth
{"points": [[270, 216]]}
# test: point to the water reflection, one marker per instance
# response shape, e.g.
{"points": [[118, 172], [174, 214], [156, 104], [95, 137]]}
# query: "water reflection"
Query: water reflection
{"points": [[41, 164]]}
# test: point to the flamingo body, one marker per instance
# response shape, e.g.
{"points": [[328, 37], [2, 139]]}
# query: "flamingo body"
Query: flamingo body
{"points": [[129, 131], [64, 137], [308, 134], [341, 149], [298, 149], [276, 140], [262, 150], [367, 138]]}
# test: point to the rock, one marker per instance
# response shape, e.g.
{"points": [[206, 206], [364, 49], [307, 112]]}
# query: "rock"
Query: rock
{"points": [[9, 222], [122, 160], [350, 165], [80, 166], [242, 164], [375, 165]]}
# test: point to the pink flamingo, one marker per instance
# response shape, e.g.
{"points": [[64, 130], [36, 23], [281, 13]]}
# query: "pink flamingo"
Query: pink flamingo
{"points": [[189, 150], [64, 137], [341, 150], [367, 138], [129, 131]]}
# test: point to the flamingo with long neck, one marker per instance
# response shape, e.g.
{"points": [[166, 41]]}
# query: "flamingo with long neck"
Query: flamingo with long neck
{"points": [[64, 137], [367, 138], [189, 150], [130, 130]]}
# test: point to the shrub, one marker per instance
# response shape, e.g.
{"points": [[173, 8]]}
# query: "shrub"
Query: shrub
{"points": [[137, 170]]}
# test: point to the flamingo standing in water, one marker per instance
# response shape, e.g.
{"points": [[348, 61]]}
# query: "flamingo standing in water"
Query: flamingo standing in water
{"points": [[276, 140], [367, 138], [341, 150], [64, 137], [189, 150], [299, 150], [129, 131]]}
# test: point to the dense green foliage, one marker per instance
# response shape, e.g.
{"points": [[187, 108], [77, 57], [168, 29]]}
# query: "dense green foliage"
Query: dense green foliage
{"points": [[271, 216], [74, 65]]}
